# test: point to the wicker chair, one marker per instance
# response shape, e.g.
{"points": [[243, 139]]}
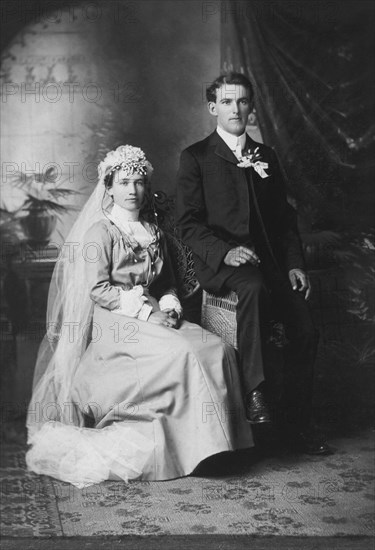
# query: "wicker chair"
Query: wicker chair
{"points": [[181, 255], [219, 316]]}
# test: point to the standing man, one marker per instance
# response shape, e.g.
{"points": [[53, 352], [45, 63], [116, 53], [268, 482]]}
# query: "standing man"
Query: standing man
{"points": [[233, 213]]}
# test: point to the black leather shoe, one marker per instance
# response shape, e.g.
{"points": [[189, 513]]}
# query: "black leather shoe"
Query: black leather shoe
{"points": [[257, 411], [309, 443]]}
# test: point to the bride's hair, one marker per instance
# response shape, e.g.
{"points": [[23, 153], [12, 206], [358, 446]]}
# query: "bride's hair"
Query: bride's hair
{"points": [[108, 179]]}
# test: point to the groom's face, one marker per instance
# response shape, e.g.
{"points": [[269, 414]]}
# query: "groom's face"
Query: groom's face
{"points": [[231, 108]]}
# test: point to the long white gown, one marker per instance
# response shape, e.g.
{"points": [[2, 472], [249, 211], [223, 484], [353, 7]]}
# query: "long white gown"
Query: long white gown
{"points": [[156, 400]]}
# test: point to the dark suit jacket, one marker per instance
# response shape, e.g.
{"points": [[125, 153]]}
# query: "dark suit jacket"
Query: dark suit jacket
{"points": [[215, 209]]}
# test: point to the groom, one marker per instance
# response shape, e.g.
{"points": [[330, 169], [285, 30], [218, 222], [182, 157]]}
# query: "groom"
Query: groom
{"points": [[233, 213]]}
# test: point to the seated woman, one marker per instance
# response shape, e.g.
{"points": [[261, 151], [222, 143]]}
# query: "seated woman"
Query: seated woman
{"points": [[161, 394]]}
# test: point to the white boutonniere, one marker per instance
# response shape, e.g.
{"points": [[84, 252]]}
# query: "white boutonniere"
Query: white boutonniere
{"points": [[252, 159]]}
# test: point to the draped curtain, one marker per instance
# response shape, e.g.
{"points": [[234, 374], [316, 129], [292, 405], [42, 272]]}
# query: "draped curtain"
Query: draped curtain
{"points": [[311, 63]]}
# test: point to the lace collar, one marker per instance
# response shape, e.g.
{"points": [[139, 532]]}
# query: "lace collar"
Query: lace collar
{"points": [[135, 231]]}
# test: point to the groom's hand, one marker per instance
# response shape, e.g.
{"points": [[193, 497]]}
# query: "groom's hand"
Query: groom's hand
{"points": [[300, 281], [241, 255]]}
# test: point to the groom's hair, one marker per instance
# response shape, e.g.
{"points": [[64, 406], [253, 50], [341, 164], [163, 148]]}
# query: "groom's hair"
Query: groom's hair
{"points": [[229, 78]]}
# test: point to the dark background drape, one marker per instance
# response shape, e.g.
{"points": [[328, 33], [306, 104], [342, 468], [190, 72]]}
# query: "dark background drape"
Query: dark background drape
{"points": [[312, 66]]}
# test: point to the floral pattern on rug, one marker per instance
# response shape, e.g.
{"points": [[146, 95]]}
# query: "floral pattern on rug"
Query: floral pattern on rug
{"points": [[284, 495], [28, 504], [290, 495]]}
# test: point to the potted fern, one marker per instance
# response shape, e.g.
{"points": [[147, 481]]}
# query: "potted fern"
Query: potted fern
{"points": [[43, 206]]}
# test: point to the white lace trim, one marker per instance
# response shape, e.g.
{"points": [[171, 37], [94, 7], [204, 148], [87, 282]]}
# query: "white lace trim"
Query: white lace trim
{"points": [[83, 456], [133, 228]]}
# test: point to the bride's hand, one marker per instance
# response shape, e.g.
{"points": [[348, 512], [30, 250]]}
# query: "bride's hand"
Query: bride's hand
{"points": [[163, 318], [173, 315]]}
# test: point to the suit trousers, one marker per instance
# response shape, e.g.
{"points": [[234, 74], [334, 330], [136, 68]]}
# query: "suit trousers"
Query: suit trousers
{"points": [[260, 299]]}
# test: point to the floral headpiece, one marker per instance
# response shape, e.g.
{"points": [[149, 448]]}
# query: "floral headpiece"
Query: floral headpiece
{"points": [[131, 159]]}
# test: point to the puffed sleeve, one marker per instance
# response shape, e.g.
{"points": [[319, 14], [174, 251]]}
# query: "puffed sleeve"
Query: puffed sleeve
{"points": [[97, 250]]}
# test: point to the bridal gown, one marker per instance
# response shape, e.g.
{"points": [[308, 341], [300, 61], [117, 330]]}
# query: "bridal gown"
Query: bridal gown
{"points": [[156, 401]]}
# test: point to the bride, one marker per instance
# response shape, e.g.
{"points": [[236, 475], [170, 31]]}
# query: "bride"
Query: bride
{"points": [[124, 388]]}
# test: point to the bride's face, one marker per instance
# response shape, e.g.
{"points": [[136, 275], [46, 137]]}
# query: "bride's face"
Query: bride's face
{"points": [[128, 191]]}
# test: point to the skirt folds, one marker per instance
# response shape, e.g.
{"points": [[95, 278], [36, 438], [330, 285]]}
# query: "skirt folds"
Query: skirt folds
{"points": [[180, 389]]}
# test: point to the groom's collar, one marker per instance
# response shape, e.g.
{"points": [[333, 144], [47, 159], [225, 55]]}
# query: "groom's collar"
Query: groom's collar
{"points": [[232, 140], [223, 150]]}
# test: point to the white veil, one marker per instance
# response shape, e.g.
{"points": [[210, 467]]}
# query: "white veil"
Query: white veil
{"points": [[69, 310], [61, 446]]}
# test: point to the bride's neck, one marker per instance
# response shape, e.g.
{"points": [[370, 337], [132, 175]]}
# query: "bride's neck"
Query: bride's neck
{"points": [[125, 215]]}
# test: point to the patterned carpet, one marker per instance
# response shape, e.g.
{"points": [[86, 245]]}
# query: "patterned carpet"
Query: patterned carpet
{"points": [[285, 495]]}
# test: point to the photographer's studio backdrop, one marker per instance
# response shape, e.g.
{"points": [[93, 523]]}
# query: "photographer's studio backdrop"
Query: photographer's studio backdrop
{"points": [[80, 78]]}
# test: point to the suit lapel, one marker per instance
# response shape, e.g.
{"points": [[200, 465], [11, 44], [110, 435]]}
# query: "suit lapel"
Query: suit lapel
{"points": [[222, 149], [258, 183]]}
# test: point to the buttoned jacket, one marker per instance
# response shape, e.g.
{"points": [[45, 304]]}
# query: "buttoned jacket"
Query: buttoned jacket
{"points": [[216, 201]]}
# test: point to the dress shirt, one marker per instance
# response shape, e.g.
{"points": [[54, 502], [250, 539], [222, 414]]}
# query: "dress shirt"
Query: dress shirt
{"points": [[235, 143]]}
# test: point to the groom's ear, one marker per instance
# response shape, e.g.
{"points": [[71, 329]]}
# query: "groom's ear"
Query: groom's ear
{"points": [[211, 105]]}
